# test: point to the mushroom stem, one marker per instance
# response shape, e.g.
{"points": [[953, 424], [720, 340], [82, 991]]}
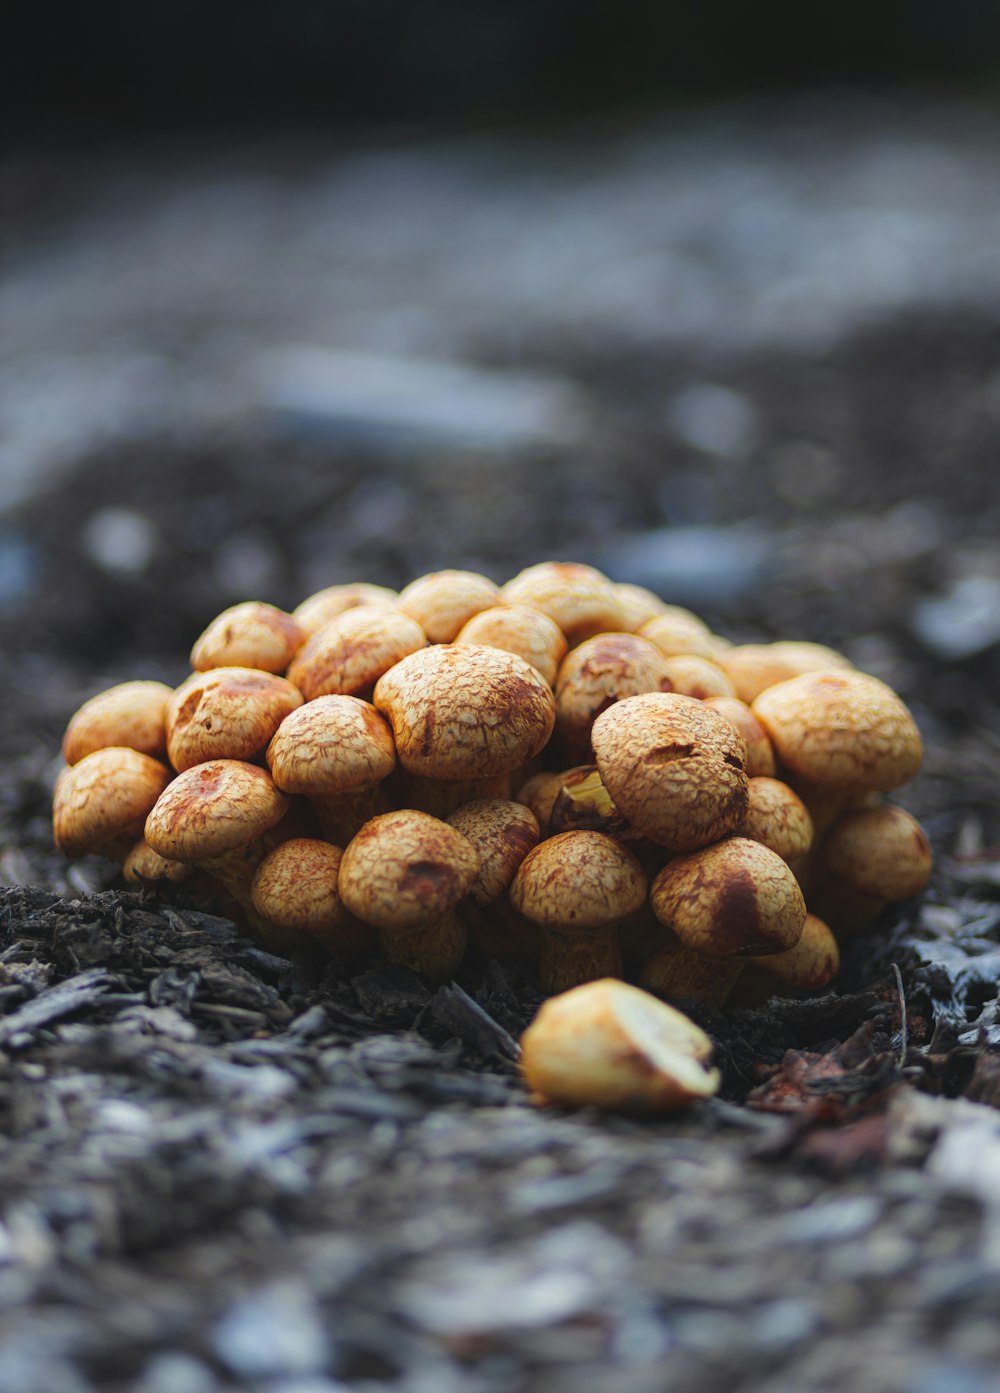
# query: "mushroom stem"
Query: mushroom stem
{"points": [[342, 815], [679, 974], [569, 960], [436, 949]]}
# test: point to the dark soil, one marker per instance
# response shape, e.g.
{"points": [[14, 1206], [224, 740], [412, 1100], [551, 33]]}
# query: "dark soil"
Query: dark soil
{"points": [[226, 1170]]}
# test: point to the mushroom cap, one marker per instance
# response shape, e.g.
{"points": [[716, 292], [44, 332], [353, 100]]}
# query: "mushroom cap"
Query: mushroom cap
{"points": [[350, 653], [130, 714], [333, 744], [318, 609], [811, 964], [212, 809], [734, 899], [529, 633], [597, 673], [226, 713], [606, 1044], [841, 729], [252, 634], [579, 598], [639, 605], [578, 881], [405, 870], [295, 887], [442, 601], [100, 803], [881, 851], [760, 754], [144, 865], [677, 631], [539, 793], [465, 712], [673, 767], [503, 833], [753, 667], [777, 818], [698, 677]]}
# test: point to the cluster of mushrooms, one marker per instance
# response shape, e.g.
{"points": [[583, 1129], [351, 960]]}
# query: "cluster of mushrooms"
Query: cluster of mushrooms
{"points": [[562, 767]]}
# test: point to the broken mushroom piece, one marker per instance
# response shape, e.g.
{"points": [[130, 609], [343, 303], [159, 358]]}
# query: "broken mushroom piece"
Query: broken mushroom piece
{"points": [[350, 653], [577, 887], [673, 767], [216, 816], [593, 676], [333, 600], [502, 832], [337, 751], [405, 873], [226, 713], [579, 598], [881, 851], [442, 601], [252, 634], [529, 633], [608, 1045], [100, 804], [130, 715], [725, 903], [296, 888]]}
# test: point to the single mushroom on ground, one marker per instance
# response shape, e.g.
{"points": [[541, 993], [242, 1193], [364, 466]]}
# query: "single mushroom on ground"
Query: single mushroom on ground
{"points": [[725, 903], [673, 767], [577, 887], [442, 601], [593, 676], [100, 804], [337, 751], [251, 634], [608, 1045], [405, 873], [462, 715], [296, 888], [580, 599], [130, 715], [350, 653], [217, 816], [226, 713]]}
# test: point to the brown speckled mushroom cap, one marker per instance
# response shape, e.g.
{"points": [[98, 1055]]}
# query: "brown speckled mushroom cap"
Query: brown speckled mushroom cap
{"points": [[881, 851], [734, 899], [334, 744], [465, 712], [350, 653], [130, 714], [579, 598], [251, 634], [578, 881], [673, 767], [406, 869], [811, 964], [295, 887], [442, 601], [841, 730], [597, 673], [226, 713], [100, 803], [753, 667], [760, 754], [326, 604], [529, 633], [503, 833], [777, 818], [212, 809]]}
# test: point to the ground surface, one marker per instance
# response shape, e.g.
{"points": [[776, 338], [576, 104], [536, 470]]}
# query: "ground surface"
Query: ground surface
{"points": [[223, 1170]]}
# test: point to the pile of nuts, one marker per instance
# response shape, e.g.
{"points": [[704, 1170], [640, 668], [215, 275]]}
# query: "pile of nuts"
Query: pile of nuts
{"points": [[562, 767]]}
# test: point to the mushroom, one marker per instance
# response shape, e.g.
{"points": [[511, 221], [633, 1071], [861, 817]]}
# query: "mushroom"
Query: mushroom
{"points": [[405, 873], [252, 634], [754, 667], [539, 793], [608, 1045], [226, 713], [673, 767], [529, 633], [143, 866], [841, 731], [336, 750], [100, 804], [879, 851], [130, 715], [216, 816], [639, 605], [808, 967], [580, 599], [350, 653], [760, 755], [777, 818], [295, 887], [333, 600], [694, 676], [725, 903], [577, 887], [593, 676], [677, 631], [502, 832], [443, 601]]}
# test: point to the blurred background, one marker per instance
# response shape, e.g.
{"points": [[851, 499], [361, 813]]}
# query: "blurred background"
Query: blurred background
{"points": [[708, 296]]}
